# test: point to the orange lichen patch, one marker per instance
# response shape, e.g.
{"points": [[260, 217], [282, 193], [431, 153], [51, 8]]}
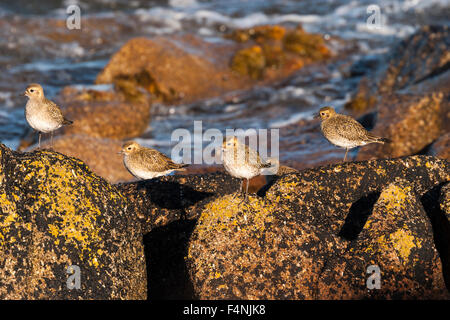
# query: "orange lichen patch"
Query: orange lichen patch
{"points": [[250, 61], [276, 51], [306, 45], [259, 33]]}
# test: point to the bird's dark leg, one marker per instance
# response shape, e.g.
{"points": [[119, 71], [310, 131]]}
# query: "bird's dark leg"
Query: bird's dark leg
{"points": [[246, 190], [346, 151], [51, 140], [240, 189], [39, 140]]}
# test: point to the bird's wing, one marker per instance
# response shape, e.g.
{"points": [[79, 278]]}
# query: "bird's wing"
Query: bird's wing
{"points": [[54, 110], [350, 128], [158, 162], [252, 155]]}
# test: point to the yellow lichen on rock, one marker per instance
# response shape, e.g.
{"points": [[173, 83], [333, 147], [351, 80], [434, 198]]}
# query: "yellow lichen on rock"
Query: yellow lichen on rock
{"points": [[403, 242], [394, 198], [76, 218]]}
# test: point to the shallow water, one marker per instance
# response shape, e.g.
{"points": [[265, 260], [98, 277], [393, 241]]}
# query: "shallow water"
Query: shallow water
{"points": [[29, 54]]}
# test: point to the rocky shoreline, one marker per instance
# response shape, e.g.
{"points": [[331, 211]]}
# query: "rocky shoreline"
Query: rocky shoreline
{"points": [[310, 232], [305, 235]]}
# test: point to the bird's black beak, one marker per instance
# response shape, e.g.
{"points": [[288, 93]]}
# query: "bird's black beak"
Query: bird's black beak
{"points": [[24, 94], [316, 116], [120, 152]]}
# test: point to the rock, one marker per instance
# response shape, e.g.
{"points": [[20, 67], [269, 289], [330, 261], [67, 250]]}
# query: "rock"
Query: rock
{"points": [[417, 65], [444, 200], [273, 52], [437, 205], [397, 238], [55, 213], [184, 69], [307, 237], [250, 61], [410, 121], [104, 114], [173, 69], [310, 46], [364, 99], [423, 55], [441, 147], [167, 208], [161, 201], [100, 154]]}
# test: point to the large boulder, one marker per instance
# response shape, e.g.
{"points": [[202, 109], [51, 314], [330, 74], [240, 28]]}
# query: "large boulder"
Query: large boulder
{"points": [[172, 72], [186, 68], [168, 208], [421, 56], [100, 154], [418, 64], [55, 213], [441, 147], [411, 121], [105, 114], [313, 235]]}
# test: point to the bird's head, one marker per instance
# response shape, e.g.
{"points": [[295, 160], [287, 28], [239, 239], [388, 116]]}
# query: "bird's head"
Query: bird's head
{"points": [[326, 113], [34, 91], [129, 147], [229, 142]]}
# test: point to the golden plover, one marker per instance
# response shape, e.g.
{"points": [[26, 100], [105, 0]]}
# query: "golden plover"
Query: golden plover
{"points": [[240, 161], [42, 114], [344, 131], [147, 163]]}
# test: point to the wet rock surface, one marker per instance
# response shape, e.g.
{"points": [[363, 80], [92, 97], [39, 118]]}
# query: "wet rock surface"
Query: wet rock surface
{"points": [[55, 213], [313, 234]]}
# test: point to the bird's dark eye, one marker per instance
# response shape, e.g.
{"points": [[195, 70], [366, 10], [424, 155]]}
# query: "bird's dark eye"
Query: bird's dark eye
{"points": [[322, 113], [129, 148]]}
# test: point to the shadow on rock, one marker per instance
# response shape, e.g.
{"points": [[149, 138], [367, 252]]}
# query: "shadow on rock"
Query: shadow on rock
{"points": [[441, 228], [165, 251]]}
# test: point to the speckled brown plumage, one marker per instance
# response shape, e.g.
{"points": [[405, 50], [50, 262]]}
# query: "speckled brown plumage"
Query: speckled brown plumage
{"points": [[42, 114], [147, 163], [241, 161], [344, 131]]}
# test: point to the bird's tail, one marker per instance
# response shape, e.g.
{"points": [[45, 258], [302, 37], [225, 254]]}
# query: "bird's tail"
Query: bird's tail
{"points": [[376, 139], [67, 122], [181, 167], [268, 164]]}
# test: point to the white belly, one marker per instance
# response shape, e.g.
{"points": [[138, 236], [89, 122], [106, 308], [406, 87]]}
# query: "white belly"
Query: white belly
{"points": [[144, 174], [39, 123], [240, 170], [344, 143]]}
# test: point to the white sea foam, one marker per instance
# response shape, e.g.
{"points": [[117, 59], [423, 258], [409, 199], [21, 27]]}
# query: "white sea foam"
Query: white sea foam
{"points": [[294, 118]]}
